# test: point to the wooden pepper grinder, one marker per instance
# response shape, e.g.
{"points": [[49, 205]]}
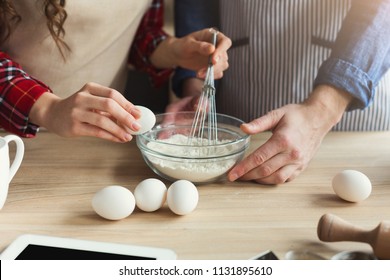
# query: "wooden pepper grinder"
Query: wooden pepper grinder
{"points": [[332, 228]]}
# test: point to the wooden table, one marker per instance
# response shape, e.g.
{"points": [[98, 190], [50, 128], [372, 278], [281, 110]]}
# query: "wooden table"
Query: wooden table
{"points": [[51, 194]]}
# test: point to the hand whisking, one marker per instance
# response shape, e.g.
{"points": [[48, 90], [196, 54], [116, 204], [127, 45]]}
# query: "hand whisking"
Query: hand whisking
{"points": [[204, 130]]}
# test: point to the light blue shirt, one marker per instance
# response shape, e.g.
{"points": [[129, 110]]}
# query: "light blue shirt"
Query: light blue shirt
{"points": [[361, 54]]}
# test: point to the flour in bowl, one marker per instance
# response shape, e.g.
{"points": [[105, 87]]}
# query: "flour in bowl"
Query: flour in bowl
{"points": [[194, 163]]}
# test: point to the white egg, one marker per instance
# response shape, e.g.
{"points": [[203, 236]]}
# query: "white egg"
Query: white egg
{"points": [[352, 185], [113, 202], [150, 194], [147, 121], [182, 197]]}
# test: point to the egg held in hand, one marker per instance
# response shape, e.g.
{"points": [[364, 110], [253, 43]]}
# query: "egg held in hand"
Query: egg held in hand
{"points": [[147, 121], [150, 194], [352, 185], [113, 202], [182, 197]]}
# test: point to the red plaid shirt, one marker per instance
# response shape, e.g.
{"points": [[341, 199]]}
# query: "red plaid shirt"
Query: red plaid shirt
{"points": [[19, 91]]}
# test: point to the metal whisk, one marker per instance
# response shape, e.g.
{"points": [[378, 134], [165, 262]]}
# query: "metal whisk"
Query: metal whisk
{"points": [[204, 130]]}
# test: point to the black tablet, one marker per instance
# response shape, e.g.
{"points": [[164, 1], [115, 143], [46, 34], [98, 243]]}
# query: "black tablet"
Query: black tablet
{"points": [[41, 247]]}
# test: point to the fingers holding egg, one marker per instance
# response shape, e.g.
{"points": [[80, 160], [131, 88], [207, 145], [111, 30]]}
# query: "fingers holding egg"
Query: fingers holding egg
{"points": [[146, 121]]}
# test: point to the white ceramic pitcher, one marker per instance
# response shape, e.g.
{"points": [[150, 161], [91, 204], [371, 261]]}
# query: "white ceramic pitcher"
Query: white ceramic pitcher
{"points": [[7, 170]]}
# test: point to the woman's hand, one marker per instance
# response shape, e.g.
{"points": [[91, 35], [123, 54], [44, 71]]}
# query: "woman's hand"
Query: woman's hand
{"points": [[192, 89], [94, 110], [192, 52]]}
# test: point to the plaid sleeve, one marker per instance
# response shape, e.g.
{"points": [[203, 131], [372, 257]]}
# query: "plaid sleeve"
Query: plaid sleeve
{"points": [[18, 93], [147, 38]]}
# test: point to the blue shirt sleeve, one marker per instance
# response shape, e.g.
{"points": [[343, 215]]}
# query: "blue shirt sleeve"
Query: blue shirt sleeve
{"points": [[361, 53], [190, 16]]}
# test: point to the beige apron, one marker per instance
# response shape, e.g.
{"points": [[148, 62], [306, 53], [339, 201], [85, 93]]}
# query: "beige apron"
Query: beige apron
{"points": [[99, 33]]}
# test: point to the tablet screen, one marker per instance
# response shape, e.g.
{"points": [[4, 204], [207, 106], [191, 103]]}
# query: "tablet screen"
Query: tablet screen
{"points": [[32, 252], [40, 247]]}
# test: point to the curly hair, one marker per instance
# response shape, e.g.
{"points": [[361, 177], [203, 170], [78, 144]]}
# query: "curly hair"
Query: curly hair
{"points": [[55, 13]]}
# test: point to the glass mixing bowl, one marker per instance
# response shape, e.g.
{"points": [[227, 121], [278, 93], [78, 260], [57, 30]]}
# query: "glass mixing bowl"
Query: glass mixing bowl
{"points": [[168, 152]]}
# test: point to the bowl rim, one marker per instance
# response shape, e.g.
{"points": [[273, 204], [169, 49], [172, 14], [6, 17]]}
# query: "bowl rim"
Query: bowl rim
{"points": [[243, 137]]}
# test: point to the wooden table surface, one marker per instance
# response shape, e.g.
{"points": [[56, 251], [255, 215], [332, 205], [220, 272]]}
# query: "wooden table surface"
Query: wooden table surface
{"points": [[52, 191]]}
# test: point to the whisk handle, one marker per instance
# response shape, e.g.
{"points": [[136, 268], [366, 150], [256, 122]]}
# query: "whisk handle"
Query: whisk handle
{"points": [[214, 32]]}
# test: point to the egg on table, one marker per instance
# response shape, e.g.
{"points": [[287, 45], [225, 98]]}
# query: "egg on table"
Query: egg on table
{"points": [[150, 194], [182, 197], [113, 202], [352, 185]]}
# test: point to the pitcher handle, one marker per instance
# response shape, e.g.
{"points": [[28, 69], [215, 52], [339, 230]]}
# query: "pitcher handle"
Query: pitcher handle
{"points": [[18, 156]]}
